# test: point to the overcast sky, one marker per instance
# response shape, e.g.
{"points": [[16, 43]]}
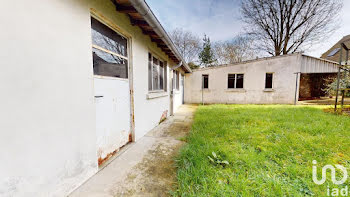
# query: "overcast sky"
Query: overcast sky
{"points": [[219, 19]]}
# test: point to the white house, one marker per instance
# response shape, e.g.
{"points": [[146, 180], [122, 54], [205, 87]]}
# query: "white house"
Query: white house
{"points": [[274, 80], [79, 80]]}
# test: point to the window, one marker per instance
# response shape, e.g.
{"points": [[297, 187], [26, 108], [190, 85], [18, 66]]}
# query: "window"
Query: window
{"points": [[157, 74], [109, 51], [177, 80], [182, 80], [205, 81], [240, 80], [174, 80], [150, 72], [268, 80], [235, 81], [161, 75], [332, 53], [231, 81]]}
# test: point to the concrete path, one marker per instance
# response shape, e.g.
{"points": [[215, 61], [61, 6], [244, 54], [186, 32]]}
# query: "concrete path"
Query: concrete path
{"points": [[145, 168]]}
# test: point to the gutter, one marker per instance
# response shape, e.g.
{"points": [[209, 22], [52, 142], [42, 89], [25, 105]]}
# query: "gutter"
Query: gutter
{"points": [[177, 66], [144, 10]]}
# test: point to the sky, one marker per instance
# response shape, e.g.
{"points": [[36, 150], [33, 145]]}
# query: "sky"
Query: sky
{"points": [[220, 20]]}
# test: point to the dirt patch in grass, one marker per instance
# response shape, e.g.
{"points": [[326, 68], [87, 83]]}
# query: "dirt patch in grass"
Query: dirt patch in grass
{"points": [[344, 111]]}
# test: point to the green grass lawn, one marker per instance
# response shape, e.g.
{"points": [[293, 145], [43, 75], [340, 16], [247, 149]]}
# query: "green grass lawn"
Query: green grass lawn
{"points": [[269, 149]]}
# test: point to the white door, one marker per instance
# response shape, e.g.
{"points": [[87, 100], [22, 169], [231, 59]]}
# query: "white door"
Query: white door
{"points": [[112, 90], [172, 94], [112, 114]]}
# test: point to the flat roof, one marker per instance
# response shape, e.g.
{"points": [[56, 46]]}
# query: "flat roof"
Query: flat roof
{"points": [[262, 59]]}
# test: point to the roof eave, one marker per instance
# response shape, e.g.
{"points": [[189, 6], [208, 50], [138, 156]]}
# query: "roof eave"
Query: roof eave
{"points": [[144, 10]]}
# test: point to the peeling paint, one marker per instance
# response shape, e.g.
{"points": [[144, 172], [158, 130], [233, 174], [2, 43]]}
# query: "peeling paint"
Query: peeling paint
{"points": [[102, 160], [164, 116], [112, 116], [130, 137]]}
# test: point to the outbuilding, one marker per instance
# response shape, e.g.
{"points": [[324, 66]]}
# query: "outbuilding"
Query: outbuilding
{"points": [[273, 80]]}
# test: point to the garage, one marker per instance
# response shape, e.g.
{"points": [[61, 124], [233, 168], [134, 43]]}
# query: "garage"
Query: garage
{"points": [[314, 76]]}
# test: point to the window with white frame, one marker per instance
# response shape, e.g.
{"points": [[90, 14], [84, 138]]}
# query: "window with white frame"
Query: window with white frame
{"points": [[109, 51], [157, 74], [235, 81]]}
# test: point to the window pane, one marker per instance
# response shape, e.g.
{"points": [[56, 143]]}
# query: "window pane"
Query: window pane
{"points": [[240, 79], [165, 77], [149, 71], [174, 80], [106, 38], [231, 81], [106, 64], [332, 53], [268, 82], [205, 81], [177, 80], [155, 74], [182, 80], [161, 73]]}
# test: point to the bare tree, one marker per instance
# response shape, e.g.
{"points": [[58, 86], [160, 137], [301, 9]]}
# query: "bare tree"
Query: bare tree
{"points": [[236, 50], [188, 44], [287, 26]]}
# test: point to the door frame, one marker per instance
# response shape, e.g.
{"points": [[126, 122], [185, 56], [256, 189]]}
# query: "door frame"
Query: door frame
{"points": [[98, 16], [171, 92], [183, 87]]}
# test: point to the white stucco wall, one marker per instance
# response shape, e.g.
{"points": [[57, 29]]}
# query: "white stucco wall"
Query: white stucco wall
{"points": [[284, 82], [47, 116], [148, 111]]}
